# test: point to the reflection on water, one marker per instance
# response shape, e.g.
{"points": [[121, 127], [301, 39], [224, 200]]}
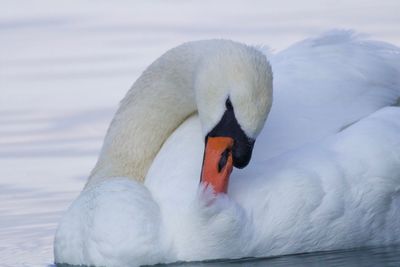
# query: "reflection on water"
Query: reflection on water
{"points": [[367, 257]]}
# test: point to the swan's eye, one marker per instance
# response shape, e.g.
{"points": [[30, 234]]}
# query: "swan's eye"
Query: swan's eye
{"points": [[228, 104], [223, 160]]}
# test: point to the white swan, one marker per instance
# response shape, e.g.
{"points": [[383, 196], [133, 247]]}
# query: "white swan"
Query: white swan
{"points": [[325, 171]]}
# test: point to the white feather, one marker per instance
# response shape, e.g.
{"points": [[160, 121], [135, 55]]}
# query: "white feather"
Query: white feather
{"points": [[325, 173]]}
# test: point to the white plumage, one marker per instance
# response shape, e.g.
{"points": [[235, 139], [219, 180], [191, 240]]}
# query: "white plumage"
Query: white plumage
{"points": [[325, 173]]}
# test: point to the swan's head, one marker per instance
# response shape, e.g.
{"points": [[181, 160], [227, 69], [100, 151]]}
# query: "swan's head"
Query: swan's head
{"points": [[234, 95]]}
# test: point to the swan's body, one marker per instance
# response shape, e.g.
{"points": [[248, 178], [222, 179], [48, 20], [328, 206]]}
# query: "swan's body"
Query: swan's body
{"points": [[325, 173]]}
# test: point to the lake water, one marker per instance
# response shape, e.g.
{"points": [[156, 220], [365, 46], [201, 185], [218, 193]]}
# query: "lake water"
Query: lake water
{"points": [[366, 257], [64, 66]]}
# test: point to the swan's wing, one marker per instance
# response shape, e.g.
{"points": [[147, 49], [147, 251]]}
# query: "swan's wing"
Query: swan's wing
{"points": [[324, 84], [113, 223], [341, 192]]}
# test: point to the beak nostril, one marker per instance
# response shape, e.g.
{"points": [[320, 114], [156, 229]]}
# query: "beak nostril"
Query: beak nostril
{"points": [[223, 160]]}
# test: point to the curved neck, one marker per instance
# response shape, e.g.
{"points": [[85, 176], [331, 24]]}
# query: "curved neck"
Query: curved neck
{"points": [[158, 102], [165, 95]]}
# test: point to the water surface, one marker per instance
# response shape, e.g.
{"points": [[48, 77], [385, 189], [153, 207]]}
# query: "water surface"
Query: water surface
{"points": [[366, 257]]}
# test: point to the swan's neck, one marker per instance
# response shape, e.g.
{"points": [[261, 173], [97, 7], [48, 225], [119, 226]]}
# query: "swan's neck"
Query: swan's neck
{"points": [[158, 102], [164, 96]]}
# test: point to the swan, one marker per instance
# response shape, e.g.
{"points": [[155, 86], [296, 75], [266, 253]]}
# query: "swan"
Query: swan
{"points": [[324, 172]]}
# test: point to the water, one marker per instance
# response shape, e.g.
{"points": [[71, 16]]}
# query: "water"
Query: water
{"points": [[366, 257], [65, 65], [383, 256]]}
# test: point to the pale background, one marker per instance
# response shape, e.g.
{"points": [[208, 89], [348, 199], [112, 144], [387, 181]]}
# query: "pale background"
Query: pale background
{"points": [[64, 65]]}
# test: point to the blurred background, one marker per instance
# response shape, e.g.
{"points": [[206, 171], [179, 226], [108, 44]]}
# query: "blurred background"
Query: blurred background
{"points": [[65, 65]]}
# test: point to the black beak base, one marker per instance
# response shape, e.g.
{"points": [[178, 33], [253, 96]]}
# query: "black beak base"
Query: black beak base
{"points": [[229, 127]]}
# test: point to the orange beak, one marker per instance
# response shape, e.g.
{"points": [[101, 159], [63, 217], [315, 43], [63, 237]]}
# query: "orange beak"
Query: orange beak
{"points": [[217, 163]]}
